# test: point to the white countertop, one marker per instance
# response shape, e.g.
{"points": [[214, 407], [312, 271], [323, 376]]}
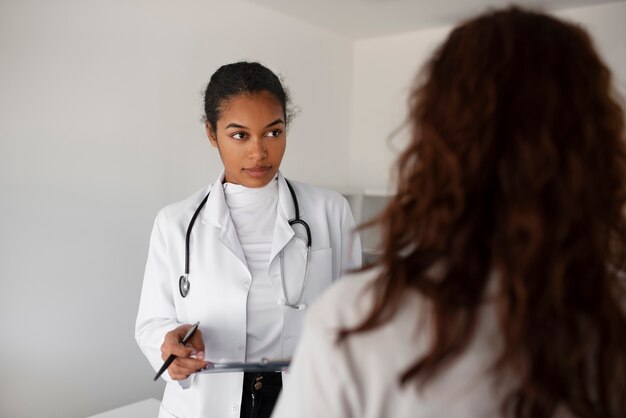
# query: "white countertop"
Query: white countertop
{"points": [[148, 408]]}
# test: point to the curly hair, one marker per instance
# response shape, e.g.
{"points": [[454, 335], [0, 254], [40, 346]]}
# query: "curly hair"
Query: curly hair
{"points": [[515, 173]]}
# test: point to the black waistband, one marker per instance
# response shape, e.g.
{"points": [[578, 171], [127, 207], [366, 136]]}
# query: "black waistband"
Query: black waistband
{"points": [[259, 395]]}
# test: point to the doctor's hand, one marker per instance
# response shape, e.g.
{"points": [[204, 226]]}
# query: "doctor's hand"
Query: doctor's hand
{"points": [[189, 357]]}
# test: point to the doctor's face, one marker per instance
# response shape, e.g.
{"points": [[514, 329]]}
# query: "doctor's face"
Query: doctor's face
{"points": [[250, 137]]}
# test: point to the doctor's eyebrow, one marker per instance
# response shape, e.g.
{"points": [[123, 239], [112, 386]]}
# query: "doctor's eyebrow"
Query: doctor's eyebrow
{"points": [[237, 126], [276, 122]]}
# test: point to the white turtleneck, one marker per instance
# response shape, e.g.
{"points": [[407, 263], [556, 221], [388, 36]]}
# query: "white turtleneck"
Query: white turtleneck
{"points": [[253, 212]]}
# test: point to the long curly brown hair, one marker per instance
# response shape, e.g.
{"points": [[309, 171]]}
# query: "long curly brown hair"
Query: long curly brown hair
{"points": [[515, 172]]}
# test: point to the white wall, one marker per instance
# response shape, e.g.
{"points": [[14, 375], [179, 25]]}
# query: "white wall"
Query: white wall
{"points": [[100, 109], [384, 70]]}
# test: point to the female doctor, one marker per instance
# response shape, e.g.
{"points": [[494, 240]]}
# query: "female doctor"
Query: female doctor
{"points": [[244, 257]]}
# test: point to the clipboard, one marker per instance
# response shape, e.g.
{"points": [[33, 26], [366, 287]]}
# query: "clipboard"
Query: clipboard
{"points": [[264, 365]]}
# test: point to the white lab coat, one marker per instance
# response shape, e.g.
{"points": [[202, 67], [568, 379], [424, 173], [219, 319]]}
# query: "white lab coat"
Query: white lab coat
{"points": [[220, 281]]}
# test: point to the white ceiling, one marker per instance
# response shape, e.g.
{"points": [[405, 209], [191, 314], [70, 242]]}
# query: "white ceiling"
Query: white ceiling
{"points": [[370, 18]]}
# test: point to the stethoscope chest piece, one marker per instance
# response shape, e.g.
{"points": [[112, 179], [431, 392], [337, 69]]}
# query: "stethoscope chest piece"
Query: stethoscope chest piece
{"points": [[183, 285]]}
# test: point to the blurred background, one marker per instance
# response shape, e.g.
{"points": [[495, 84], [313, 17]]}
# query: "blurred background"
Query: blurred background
{"points": [[100, 127]]}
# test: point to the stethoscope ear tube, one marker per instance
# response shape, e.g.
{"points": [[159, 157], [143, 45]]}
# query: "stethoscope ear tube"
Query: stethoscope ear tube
{"points": [[296, 219], [183, 282], [297, 304]]}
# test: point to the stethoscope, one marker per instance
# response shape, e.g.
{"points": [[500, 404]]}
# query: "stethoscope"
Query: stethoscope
{"points": [[183, 282]]}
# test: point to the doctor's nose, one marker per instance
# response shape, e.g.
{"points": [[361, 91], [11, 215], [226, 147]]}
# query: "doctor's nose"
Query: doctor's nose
{"points": [[257, 150]]}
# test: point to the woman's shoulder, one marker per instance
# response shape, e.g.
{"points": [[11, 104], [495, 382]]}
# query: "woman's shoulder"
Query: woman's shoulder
{"points": [[347, 301], [351, 299]]}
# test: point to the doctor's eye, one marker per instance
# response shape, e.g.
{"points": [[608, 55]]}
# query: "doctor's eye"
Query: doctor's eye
{"points": [[274, 133], [239, 135]]}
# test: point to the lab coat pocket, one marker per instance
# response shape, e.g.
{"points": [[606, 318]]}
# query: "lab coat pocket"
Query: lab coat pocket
{"points": [[319, 279], [320, 274], [294, 270]]}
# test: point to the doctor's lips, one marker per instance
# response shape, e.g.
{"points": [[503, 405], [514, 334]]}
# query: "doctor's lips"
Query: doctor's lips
{"points": [[258, 171]]}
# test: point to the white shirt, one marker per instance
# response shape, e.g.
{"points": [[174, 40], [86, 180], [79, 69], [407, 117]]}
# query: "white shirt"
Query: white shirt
{"points": [[253, 212], [360, 377]]}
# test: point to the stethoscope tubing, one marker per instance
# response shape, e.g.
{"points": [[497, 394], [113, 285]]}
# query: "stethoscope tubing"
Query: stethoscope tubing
{"points": [[296, 219], [189, 228]]}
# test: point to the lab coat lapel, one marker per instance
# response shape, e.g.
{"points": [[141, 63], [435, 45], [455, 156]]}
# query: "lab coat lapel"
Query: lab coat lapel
{"points": [[217, 214], [283, 232]]}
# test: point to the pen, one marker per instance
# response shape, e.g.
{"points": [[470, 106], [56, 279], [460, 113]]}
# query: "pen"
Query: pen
{"points": [[171, 358]]}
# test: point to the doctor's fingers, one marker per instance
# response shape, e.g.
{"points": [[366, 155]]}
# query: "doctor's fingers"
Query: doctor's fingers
{"points": [[197, 342], [171, 343], [181, 368], [174, 347]]}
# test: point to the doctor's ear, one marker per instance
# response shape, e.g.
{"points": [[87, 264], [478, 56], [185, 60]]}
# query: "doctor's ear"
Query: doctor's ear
{"points": [[211, 134]]}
